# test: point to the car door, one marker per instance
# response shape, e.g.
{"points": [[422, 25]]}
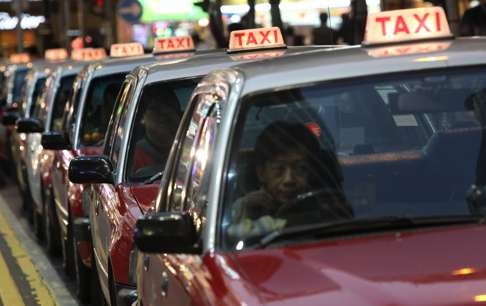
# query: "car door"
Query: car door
{"points": [[105, 198], [165, 279]]}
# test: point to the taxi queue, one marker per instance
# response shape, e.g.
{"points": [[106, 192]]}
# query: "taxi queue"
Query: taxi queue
{"points": [[261, 174]]}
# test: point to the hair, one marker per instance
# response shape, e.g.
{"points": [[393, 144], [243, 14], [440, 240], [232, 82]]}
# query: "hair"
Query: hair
{"points": [[323, 16], [282, 137]]}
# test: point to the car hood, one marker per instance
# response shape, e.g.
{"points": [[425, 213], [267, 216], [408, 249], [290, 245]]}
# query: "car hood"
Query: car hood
{"points": [[444, 266]]}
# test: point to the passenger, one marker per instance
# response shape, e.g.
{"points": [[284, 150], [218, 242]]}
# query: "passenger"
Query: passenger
{"points": [[324, 35], [160, 122], [299, 184]]}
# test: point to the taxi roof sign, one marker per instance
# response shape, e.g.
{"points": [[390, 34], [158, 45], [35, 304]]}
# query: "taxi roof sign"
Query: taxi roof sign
{"points": [[256, 39], [19, 58], [125, 50], [173, 44], [406, 25], [56, 54], [88, 54]]}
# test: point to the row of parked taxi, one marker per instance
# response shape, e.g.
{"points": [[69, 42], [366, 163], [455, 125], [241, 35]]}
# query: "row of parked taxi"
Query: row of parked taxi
{"points": [[261, 174]]}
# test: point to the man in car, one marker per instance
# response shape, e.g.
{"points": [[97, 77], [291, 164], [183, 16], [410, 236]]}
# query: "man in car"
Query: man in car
{"points": [[159, 124], [299, 183]]}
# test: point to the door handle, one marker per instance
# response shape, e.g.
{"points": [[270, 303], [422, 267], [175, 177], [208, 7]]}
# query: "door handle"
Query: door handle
{"points": [[164, 285]]}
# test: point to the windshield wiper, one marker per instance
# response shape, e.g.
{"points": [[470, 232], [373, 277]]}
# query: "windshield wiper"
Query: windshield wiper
{"points": [[153, 178], [360, 226]]}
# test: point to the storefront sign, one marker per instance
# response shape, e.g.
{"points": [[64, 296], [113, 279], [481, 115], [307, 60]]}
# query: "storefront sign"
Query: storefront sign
{"points": [[8, 22]]}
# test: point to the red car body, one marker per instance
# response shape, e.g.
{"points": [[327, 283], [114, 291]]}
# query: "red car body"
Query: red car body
{"points": [[123, 206], [441, 266], [68, 196]]}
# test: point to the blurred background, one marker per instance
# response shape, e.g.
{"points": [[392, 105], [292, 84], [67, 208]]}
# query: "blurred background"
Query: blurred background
{"points": [[73, 24]]}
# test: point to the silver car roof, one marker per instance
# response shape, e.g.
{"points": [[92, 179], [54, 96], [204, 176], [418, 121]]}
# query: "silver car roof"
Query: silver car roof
{"points": [[351, 62], [110, 66], [201, 63]]}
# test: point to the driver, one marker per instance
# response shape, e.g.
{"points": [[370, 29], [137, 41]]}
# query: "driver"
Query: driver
{"points": [[160, 122], [299, 183]]}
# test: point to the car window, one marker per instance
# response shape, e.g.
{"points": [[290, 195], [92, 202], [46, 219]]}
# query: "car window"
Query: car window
{"points": [[401, 146], [36, 97], [19, 78], [185, 156], [98, 107], [200, 175], [158, 115], [117, 121], [63, 93]]}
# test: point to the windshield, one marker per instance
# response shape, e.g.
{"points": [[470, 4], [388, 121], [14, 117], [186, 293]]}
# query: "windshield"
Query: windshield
{"points": [[62, 95], [99, 104], [158, 115], [405, 146]]}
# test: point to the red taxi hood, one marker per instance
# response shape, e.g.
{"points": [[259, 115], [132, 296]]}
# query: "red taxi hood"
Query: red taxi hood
{"points": [[425, 267]]}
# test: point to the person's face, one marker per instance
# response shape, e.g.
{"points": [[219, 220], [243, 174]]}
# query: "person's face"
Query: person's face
{"points": [[285, 176]]}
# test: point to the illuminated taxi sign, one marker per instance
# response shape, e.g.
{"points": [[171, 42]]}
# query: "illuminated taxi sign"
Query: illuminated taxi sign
{"points": [[18, 58], [88, 54], [124, 50], [173, 44], [406, 25], [254, 39], [56, 54]]}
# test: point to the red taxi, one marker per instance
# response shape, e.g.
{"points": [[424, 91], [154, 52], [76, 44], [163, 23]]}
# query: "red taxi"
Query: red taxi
{"points": [[351, 176], [85, 118], [139, 137]]}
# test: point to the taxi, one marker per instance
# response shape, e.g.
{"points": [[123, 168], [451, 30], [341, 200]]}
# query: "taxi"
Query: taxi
{"points": [[43, 82], [22, 146], [140, 134], [83, 125], [25, 145], [15, 80], [350, 176]]}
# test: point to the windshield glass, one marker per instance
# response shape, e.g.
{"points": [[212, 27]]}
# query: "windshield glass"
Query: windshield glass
{"points": [[62, 95], [158, 115], [99, 104], [405, 146]]}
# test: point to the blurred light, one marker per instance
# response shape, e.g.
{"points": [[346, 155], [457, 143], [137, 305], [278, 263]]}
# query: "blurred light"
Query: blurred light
{"points": [[464, 271], [203, 22], [429, 59], [235, 18], [480, 298], [23, 137], [240, 245]]}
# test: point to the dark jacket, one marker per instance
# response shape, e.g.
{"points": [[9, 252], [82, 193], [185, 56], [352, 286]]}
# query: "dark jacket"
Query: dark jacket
{"points": [[473, 22]]}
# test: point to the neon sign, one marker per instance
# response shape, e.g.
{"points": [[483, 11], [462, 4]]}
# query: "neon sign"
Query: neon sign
{"points": [[27, 21]]}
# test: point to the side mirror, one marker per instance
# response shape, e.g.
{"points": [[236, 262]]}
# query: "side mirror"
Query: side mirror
{"points": [[10, 118], [91, 170], [29, 125], [55, 141], [166, 233]]}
